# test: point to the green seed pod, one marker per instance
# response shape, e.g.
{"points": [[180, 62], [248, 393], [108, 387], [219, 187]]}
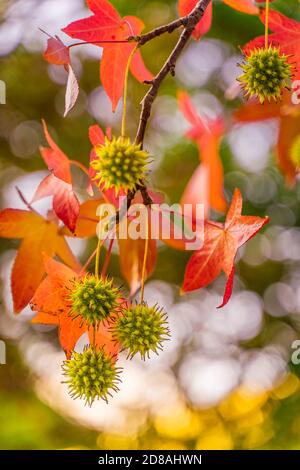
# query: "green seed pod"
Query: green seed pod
{"points": [[266, 73], [91, 375], [120, 164], [94, 300], [141, 329]]}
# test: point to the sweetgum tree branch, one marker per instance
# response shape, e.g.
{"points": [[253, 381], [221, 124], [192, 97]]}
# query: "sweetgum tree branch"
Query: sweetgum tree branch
{"points": [[189, 22], [167, 28]]}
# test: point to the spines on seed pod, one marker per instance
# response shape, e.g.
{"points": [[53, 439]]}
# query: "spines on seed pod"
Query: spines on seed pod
{"points": [[120, 164], [93, 299], [266, 72], [91, 375], [141, 329]]}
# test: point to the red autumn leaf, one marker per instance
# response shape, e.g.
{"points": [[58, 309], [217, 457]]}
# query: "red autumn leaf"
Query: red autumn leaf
{"points": [[204, 25], [57, 53], [286, 35], [207, 135], [131, 253], [106, 25], [288, 115], [221, 243], [65, 202], [53, 307], [39, 236], [196, 191], [96, 135], [55, 159], [59, 183]]}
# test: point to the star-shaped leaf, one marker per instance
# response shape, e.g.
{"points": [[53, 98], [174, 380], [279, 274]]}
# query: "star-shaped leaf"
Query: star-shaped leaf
{"points": [[110, 31], [221, 242]]}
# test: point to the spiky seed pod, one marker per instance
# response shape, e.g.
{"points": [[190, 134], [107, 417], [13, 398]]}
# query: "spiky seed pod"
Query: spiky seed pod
{"points": [[266, 73], [141, 329], [120, 164], [93, 299], [91, 375], [295, 152]]}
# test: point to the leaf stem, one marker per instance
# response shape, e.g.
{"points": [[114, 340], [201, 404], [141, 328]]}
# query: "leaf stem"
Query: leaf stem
{"points": [[97, 262], [124, 41], [107, 257], [123, 126], [143, 279], [94, 337], [267, 24], [84, 267]]}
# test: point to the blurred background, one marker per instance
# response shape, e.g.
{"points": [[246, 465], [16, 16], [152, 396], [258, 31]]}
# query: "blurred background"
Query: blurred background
{"points": [[226, 380]]}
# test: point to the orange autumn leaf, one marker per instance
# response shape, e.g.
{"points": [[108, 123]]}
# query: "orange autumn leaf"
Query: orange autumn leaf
{"points": [[288, 115], [131, 253], [196, 191], [207, 134], [221, 242], [38, 236], [244, 6], [53, 308]]}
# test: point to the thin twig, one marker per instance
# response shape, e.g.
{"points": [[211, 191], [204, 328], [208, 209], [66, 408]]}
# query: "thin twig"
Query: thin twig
{"points": [[167, 28], [169, 67]]}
